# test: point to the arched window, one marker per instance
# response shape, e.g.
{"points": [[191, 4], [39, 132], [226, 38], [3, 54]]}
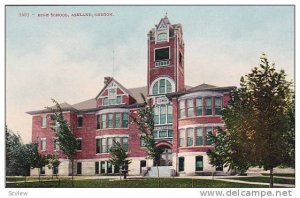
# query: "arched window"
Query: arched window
{"points": [[162, 86]]}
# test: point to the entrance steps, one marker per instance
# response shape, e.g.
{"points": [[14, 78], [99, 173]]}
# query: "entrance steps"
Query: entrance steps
{"points": [[164, 171]]}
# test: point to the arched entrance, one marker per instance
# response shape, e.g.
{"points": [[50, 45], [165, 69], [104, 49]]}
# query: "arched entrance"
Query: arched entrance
{"points": [[165, 158]]}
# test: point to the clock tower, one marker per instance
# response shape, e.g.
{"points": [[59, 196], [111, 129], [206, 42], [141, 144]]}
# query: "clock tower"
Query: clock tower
{"points": [[165, 58]]}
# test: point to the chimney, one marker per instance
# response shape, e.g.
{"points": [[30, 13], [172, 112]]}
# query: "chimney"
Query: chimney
{"points": [[106, 80]]}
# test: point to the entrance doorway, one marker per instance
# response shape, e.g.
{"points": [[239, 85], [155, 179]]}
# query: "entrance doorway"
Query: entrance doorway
{"points": [[166, 157]]}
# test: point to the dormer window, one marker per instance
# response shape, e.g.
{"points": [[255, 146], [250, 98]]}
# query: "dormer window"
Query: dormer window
{"points": [[113, 98], [162, 33]]}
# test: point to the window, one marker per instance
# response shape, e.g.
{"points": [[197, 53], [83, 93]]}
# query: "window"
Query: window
{"points": [[199, 136], [103, 145], [208, 106], [43, 170], [162, 54], [55, 145], [181, 163], [44, 121], [110, 120], [105, 101], [103, 121], [102, 167], [98, 121], [199, 102], [119, 99], [218, 105], [96, 167], [79, 121], [170, 133], [208, 134], [43, 144], [190, 135], [118, 120], [162, 37], [55, 170], [118, 140], [154, 133], [219, 167], [125, 120], [181, 137], [112, 96], [142, 141], [116, 168], [79, 168], [156, 115], [163, 134], [199, 163], [182, 108], [163, 112], [78, 144], [109, 167], [98, 145], [110, 143], [190, 107], [162, 86], [170, 114], [125, 143]]}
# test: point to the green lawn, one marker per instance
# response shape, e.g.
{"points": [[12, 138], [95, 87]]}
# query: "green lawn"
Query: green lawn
{"points": [[281, 174], [133, 183], [265, 180]]}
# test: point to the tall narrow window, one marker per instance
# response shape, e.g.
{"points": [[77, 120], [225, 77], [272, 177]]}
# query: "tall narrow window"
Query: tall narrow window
{"points": [[168, 87], [109, 167], [125, 143], [170, 133], [190, 135], [43, 170], [102, 167], [199, 163], [155, 134], [163, 112], [156, 115], [105, 101], [44, 121], [208, 106], [199, 136], [79, 121], [199, 106], [103, 125], [78, 144], [181, 137], [142, 141], [170, 114], [181, 163], [103, 145], [98, 121], [218, 105], [190, 107], [118, 120], [43, 144], [125, 120], [162, 86], [110, 120], [55, 170], [209, 131], [56, 145], [96, 167], [155, 88], [118, 140], [110, 143], [119, 99], [97, 145], [79, 168], [182, 108]]}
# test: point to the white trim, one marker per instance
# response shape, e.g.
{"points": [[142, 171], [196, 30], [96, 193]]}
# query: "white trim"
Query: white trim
{"points": [[201, 94], [116, 110], [157, 80], [189, 154], [202, 125], [112, 136]]}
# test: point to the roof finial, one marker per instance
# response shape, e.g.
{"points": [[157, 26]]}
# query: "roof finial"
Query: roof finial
{"points": [[166, 15]]}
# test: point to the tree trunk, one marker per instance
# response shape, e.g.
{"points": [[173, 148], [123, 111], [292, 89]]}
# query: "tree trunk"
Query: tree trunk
{"points": [[157, 173], [52, 172], [39, 169], [72, 167], [25, 174], [271, 178]]}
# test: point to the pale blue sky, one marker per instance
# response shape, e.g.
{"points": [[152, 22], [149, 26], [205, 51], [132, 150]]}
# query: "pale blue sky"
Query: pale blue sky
{"points": [[67, 58]]}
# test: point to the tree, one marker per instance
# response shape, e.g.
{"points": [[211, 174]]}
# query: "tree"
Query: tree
{"points": [[37, 159], [259, 121], [65, 137], [144, 120], [53, 162], [119, 158]]}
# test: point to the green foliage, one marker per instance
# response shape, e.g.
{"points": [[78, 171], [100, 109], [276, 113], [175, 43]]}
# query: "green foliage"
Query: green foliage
{"points": [[63, 131], [260, 122], [53, 161], [37, 159], [144, 120], [119, 157]]}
